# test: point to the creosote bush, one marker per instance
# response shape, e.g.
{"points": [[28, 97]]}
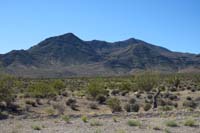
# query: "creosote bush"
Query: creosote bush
{"points": [[66, 118], [134, 123], [101, 98], [191, 104], [146, 81], [84, 119], [7, 84], [96, 88], [171, 123], [58, 85], [114, 104], [147, 107], [190, 123], [96, 123], [41, 90], [36, 127]]}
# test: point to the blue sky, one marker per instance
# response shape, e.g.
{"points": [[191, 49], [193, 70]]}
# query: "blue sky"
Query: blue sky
{"points": [[174, 24]]}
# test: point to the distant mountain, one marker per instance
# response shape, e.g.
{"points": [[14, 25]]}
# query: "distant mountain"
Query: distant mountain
{"points": [[68, 55]]}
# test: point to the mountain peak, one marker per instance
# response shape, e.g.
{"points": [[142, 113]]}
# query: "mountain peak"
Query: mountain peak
{"points": [[69, 34]]}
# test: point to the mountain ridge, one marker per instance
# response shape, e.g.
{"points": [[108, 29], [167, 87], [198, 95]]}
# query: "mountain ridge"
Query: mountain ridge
{"points": [[68, 55]]}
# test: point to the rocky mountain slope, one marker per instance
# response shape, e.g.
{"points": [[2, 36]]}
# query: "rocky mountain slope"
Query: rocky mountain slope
{"points": [[68, 55]]}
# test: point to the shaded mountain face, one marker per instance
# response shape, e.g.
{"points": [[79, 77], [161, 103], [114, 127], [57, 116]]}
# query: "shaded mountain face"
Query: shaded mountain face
{"points": [[68, 55]]}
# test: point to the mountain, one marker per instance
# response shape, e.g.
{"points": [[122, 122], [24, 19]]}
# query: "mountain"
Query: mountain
{"points": [[67, 55]]}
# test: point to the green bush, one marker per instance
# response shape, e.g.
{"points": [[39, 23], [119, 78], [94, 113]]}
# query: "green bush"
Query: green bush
{"points": [[114, 104], [146, 81], [190, 123], [66, 118], [36, 127], [171, 123], [147, 107], [96, 88], [6, 88], [101, 98], [84, 119], [174, 80], [58, 85], [134, 123], [41, 90], [96, 123], [166, 108], [190, 104]]}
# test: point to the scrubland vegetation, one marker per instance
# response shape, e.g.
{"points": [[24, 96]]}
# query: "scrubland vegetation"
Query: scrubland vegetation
{"points": [[143, 94]]}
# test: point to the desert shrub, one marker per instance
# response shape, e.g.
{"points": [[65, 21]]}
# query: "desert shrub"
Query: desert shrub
{"points": [[171, 123], [38, 101], [84, 119], [65, 93], [13, 107], [147, 107], [126, 86], [58, 85], [96, 88], [41, 90], [114, 119], [74, 107], [114, 104], [132, 107], [132, 100], [188, 98], [146, 81], [173, 97], [93, 106], [134, 123], [59, 107], [162, 102], [124, 92], [36, 127], [95, 123], [166, 108], [66, 118], [138, 95], [31, 102], [190, 123], [175, 105], [190, 104], [174, 81], [127, 107], [115, 92], [70, 101], [156, 128], [6, 88], [101, 98], [50, 111], [149, 96], [3, 115], [173, 89], [197, 99]]}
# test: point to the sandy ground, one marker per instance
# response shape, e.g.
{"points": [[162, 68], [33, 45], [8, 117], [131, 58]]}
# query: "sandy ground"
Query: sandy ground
{"points": [[107, 124]]}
